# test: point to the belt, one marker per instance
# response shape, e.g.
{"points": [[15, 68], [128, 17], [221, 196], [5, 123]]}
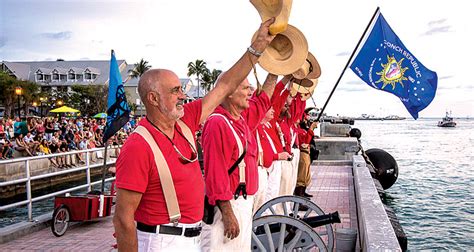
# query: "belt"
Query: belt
{"points": [[170, 230], [304, 151]]}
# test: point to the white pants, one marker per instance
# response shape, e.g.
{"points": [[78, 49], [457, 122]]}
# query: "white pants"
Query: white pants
{"points": [[295, 162], [148, 242], [261, 194], [213, 237], [287, 178], [274, 179]]}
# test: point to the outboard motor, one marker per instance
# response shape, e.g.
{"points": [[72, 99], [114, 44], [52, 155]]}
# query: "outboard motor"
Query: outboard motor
{"points": [[385, 166]]}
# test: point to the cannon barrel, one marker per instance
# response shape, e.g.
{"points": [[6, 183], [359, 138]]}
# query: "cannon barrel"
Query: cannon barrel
{"points": [[321, 220], [314, 221]]}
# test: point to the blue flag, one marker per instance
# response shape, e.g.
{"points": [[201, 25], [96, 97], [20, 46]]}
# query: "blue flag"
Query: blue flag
{"points": [[384, 63], [118, 110]]}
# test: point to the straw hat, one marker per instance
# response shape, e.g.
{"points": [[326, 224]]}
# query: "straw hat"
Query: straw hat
{"points": [[305, 87], [286, 53], [280, 9], [310, 68]]}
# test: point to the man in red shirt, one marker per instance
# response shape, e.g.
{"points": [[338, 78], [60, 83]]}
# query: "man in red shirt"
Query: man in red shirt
{"points": [[304, 167], [267, 163], [139, 195], [237, 116]]}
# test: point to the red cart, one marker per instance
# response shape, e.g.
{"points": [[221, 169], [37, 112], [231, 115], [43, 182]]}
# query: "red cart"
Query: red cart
{"points": [[73, 208]]}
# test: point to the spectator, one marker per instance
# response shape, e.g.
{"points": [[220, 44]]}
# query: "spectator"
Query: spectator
{"points": [[21, 146], [6, 149], [44, 150]]}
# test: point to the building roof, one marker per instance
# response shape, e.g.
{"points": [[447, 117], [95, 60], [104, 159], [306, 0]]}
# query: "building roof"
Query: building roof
{"points": [[21, 71], [26, 70]]}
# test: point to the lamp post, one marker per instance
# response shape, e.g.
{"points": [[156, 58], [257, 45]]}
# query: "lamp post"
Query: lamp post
{"points": [[42, 99], [18, 92]]}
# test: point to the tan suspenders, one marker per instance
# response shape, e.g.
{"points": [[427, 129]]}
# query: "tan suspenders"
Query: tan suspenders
{"points": [[163, 170]]}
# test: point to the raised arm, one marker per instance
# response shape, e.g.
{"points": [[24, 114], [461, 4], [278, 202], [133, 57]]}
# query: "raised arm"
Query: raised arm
{"points": [[269, 84], [231, 79]]}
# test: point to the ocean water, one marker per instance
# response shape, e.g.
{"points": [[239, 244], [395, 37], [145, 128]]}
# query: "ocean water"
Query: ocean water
{"points": [[434, 194]]}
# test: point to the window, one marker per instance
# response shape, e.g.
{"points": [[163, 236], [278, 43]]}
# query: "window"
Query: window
{"points": [[39, 77], [55, 77]]}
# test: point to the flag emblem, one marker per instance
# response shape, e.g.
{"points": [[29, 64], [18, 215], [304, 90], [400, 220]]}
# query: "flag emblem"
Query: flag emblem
{"points": [[392, 73]]}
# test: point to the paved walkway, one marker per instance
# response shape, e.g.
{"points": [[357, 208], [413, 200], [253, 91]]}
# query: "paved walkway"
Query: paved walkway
{"points": [[88, 236], [332, 188]]}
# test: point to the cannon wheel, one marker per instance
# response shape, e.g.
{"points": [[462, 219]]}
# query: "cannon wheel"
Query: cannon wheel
{"points": [[60, 221], [304, 238], [282, 201]]}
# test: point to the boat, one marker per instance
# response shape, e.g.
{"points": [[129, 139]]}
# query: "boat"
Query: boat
{"points": [[447, 121]]}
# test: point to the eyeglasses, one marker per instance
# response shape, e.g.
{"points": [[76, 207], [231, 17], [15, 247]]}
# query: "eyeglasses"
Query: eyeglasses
{"points": [[182, 158]]}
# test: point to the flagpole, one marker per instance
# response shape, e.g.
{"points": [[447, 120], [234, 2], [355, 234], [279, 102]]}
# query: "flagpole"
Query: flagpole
{"points": [[348, 62], [104, 167]]}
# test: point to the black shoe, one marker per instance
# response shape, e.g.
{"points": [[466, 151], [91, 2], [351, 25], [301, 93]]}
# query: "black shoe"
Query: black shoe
{"points": [[299, 190], [305, 194]]}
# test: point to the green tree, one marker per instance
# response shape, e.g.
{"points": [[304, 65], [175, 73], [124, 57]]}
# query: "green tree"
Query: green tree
{"points": [[30, 94], [89, 99], [199, 69], [209, 79], [140, 68], [8, 98]]}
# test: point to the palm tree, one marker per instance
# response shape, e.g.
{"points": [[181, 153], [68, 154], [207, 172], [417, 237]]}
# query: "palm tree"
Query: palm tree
{"points": [[139, 69], [199, 69], [210, 78]]}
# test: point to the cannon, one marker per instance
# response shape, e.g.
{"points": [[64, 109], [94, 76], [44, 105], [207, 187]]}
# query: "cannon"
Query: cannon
{"points": [[279, 225]]}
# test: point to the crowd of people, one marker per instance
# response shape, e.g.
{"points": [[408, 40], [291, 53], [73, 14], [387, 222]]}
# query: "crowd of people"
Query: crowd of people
{"points": [[35, 136]]}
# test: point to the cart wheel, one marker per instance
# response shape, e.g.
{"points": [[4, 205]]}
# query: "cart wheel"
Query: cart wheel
{"points": [[60, 221]]}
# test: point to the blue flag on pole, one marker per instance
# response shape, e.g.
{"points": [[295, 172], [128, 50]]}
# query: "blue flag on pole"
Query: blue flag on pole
{"points": [[384, 63], [118, 110]]}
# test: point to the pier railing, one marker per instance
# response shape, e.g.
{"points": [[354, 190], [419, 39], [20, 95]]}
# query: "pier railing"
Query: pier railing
{"points": [[87, 166]]}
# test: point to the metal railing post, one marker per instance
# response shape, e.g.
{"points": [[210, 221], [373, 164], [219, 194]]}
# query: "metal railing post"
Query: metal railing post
{"points": [[28, 191], [88, 171]]}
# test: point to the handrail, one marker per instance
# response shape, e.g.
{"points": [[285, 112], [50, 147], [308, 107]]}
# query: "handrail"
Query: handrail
{"points": [[16, 160], [27, 180]]}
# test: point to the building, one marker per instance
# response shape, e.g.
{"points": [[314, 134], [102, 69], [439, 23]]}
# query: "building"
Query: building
{"points": [[59, 76]]}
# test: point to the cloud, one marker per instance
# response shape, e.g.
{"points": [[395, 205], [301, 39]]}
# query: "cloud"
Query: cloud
{"points": [[446, 77], [437, 22], [343, 54], [3, 41], [150, 45], [438, 26], [352, 86], [97, 41], [64, 35], [434, 30]]}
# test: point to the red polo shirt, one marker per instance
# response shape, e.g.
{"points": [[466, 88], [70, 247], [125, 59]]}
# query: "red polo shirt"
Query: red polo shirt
{"points": [[266, 141], [305, 136], [136, 171], [221, 152]]}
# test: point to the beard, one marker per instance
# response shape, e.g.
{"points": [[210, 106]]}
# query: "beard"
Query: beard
{"points": [[174, 113]]}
